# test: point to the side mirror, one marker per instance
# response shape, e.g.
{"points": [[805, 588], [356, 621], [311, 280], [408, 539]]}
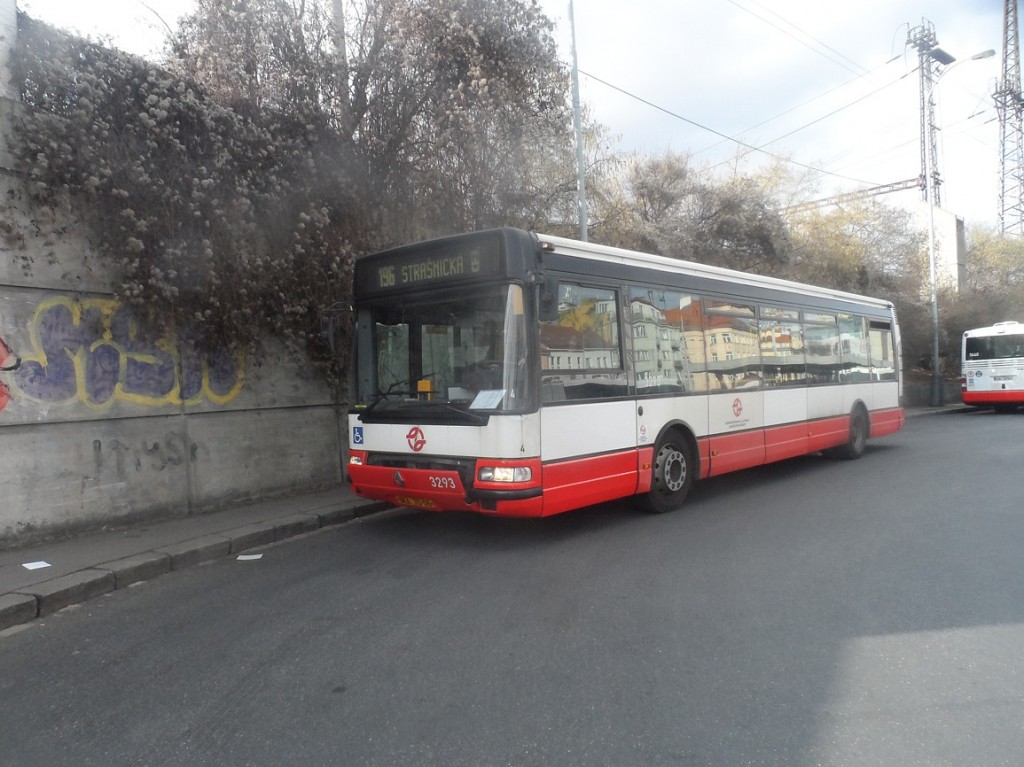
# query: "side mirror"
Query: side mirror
{"points": [[547, 300]]}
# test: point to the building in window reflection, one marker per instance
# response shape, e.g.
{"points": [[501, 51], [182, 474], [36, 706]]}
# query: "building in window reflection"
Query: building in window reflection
{"points": [[579, 353], [668, 345]]}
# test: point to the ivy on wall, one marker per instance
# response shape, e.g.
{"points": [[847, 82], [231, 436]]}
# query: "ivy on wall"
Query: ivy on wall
{"points": [[226, 223]]}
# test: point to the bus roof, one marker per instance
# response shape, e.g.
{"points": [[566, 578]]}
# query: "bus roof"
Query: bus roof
{"points": [[1006, 328], [677, 266]]}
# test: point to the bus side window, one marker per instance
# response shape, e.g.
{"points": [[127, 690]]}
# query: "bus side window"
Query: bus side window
{"points": [[782, 347], [581, 354], [854, 345], [883, 355], [668, 343], [822, 338], [734, 357]]}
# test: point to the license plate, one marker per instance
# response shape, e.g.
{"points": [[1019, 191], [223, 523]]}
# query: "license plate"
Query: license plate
{"points": [[419, 503]]}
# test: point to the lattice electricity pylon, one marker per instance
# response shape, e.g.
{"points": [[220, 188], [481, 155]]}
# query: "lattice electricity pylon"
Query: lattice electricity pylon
{"points": [[931, 60], [1011, 129]]}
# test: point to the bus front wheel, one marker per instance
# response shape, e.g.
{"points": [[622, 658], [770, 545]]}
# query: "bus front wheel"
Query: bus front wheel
{"points": [[672, 474]]}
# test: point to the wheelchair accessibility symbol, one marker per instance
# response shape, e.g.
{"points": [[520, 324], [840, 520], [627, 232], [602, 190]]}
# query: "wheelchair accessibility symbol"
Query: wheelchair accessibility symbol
{"points": [[357, 435]]}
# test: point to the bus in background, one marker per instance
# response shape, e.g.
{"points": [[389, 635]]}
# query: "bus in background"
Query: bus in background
{"points": [[992, 366], [518, 374]]}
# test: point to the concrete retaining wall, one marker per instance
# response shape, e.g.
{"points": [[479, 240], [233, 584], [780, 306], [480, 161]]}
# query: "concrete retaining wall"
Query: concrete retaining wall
{"points": [[100, 425], [919, 394]]}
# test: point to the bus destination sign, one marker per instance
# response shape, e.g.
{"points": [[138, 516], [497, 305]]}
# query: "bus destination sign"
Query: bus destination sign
{"points": [[414, 267]]}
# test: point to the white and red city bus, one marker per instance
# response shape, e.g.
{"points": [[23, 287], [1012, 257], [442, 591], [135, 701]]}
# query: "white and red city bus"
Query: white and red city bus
{"points": [[992, 366], [520, 374]]}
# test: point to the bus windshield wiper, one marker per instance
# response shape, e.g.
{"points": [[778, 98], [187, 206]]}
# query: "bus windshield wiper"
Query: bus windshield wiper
{"points": [[392, 389], [383, 395]]}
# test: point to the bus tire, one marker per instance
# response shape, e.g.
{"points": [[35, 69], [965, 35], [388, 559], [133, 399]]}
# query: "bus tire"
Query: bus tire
{"points": [[856, 443], [672, 474]]}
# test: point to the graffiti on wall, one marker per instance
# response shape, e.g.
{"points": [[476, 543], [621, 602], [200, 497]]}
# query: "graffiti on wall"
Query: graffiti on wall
{"points": [[95, 353], [8, 361], [116, 459]]}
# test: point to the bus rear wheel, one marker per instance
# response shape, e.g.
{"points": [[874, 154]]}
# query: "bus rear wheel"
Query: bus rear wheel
{"points": [[672, 474], [857, 442]]}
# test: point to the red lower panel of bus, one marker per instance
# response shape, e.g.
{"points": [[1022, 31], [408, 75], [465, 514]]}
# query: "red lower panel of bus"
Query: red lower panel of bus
{"points": [[732, 452], [586, 481], [1008, 397], [580, 482], [827, 433], [726, 453], [784, 442], [887, 422]]}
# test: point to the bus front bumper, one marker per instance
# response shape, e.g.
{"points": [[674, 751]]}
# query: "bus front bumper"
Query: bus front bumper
{"points": [[439, 490]]}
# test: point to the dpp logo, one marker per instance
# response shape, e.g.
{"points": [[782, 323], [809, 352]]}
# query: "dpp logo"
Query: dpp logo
{"points": [[416, 438], [737, 407]]}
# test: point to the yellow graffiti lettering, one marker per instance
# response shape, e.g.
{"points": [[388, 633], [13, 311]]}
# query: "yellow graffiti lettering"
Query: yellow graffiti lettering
{"points": [[92, 351]]}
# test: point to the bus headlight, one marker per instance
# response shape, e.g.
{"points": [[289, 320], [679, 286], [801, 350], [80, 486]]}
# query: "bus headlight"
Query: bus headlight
{"points": [[505, 474]]}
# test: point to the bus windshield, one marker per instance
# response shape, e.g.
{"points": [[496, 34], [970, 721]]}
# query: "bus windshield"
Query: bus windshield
{"points": [[993, 347], [458, 353]]}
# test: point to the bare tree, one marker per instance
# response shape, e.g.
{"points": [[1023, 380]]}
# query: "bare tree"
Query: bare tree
{"points": [[676, 212], [448, 114], [863, 246]]}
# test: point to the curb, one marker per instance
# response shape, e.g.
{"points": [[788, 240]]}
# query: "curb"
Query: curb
{"points": [[47, 597], [952, 407]]}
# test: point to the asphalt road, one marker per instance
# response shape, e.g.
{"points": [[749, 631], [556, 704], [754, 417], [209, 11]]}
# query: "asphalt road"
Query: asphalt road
{"points": [[815, 612]]}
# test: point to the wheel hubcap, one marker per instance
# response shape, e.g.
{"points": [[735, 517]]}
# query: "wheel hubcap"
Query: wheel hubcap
{"points": [[673, 469]]}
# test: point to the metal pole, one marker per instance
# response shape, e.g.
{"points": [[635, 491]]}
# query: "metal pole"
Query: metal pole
{"points": [[935, 400], [929, 61], [932, 189], [923, 38], [577, 122]]}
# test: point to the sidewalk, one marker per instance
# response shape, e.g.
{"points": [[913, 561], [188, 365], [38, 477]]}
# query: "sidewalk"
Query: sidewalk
{"points": [[90, 565]]}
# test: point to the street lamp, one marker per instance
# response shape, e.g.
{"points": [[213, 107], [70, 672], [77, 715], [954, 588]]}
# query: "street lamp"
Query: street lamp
{"points": [[932, 56]]}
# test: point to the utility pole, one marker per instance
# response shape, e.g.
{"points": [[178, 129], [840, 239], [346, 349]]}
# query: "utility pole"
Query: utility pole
{"points": [[1011, 128], [930, 58]]}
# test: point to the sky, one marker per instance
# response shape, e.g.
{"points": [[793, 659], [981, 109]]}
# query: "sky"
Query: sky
{"points": [[831, 87]]}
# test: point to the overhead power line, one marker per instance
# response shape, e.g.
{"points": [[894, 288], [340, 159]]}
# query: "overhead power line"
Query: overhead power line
{"points": [[833, 113], [731, 139], [840, 59], [805, 103]]}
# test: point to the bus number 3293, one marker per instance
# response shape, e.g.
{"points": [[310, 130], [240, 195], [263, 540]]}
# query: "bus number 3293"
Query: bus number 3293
{"points": [[442, 483]]}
